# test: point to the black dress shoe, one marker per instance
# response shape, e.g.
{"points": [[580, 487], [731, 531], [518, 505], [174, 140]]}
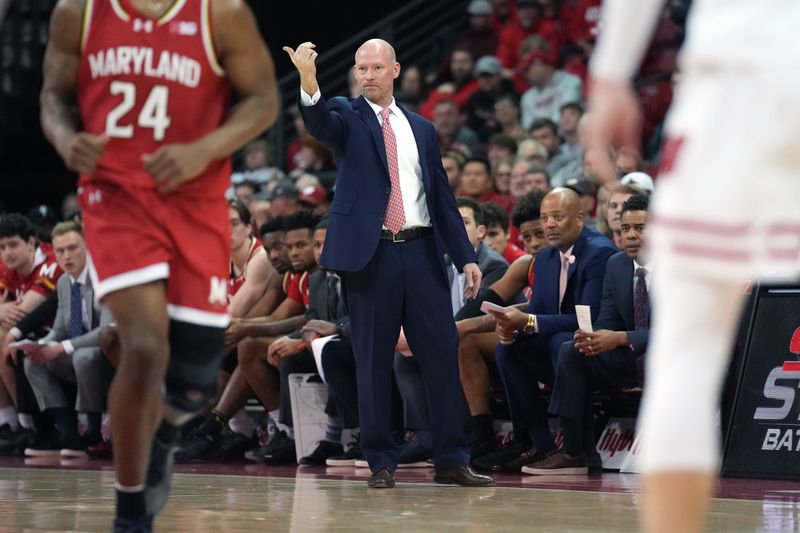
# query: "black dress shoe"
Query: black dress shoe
{"points": [[382, 479], [464, 476]]}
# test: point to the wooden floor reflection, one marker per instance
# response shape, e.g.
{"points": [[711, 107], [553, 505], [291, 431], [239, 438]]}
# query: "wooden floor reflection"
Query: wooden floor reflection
{"points": [[82, 500]]}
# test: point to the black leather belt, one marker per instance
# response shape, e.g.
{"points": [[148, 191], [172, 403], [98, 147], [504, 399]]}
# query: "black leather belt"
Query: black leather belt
{"points": [[406, 234]]}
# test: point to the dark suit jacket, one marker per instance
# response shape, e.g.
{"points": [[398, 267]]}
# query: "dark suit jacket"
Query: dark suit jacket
{"points": [[584, 283], [351, 130], [616, 309], [318, 305], [492, 265]]}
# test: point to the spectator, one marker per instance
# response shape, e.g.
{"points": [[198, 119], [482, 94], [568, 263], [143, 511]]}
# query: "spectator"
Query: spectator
{"points": [[533, 151], [526, 177], [503, 12], [559, 161], [457, 87], [550, 89], [283, 200], [312, 157], [480, 106], [479, 37], [497, 232], [70, 209], [412, 87], [314, 198], [628, 160], [70, 353], [294, 147], [529, 21], [614, 212], [246, 192], [639, 179], [453, 163], [500, 147], [568, 122], [257, 167], [476, 181], [451, 133], [507, 115], [502, 184], [611, 356], [568, 273]]}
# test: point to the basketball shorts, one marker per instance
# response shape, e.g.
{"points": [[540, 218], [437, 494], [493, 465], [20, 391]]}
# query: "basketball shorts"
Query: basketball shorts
{"points": [[136, 236], [727, 200]]}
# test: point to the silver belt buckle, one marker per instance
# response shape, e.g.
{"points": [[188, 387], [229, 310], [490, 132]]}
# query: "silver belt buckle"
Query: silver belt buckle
{"points": [[395, 239]]}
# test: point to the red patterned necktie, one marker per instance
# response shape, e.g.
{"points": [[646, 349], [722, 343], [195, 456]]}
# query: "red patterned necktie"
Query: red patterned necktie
{"points": [[395, 213]]}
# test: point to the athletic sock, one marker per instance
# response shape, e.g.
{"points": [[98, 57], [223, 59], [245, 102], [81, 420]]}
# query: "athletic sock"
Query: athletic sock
{"points": [[333, 431], [275, 415], [8, 415], [242, 424], [130, 502]]}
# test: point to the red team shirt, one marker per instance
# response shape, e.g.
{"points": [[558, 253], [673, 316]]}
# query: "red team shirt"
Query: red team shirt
{"points": [[42, 278], [295, 286], [235, 282], [148, 82]]}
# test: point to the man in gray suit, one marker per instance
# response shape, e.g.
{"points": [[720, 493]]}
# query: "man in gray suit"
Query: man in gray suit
{"points": [[71, 352]]}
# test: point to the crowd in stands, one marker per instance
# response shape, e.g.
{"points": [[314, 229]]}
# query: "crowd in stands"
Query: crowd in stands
{"points": [[507, 101]]}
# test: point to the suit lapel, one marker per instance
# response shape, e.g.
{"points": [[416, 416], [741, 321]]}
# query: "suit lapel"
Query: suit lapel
{"points": [[371, 120], [577, 252]]}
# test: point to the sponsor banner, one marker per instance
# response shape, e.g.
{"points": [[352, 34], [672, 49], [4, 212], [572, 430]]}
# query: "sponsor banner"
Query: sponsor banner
{"points": [[763, 439], [616, 441]]}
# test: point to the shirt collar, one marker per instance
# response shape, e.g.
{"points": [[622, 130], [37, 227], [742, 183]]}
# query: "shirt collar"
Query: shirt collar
{"points": [[568, 252], [82, 276], [392, 106], [637, 266]]}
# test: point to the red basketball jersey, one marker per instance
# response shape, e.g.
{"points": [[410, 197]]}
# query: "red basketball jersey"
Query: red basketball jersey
{"points": [[150, 82]]}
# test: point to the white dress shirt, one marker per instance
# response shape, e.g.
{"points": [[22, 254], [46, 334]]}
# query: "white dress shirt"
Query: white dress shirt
{"points": [[414, 204], [648, 276]]}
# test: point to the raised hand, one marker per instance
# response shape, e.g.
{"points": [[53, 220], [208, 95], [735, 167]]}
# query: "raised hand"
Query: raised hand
{"points": [[303, 60]]}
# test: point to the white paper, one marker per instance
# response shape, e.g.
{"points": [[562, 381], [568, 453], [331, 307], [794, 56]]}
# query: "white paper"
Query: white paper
{"points": [[489, 308], [584, 313], [316, 348]]}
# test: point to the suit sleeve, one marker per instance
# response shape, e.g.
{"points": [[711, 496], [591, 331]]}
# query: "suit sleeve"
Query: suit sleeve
{"points": [[324, 124], [590, 295], [609, 316], [451, 225], [60, 327]]}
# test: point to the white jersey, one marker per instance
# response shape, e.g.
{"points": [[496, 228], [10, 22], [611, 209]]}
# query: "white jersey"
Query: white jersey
{"points": [[753, 34], [746, 34]]}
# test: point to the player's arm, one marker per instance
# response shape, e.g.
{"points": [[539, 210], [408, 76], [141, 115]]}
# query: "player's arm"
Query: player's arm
{"points": [[613, 106], [250, 70], [514, 280], [258, 273], [59, 112]]}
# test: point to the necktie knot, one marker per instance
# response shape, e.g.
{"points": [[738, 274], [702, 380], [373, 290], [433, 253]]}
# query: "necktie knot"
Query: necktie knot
{"points": [[641, 273], [385, 114]]}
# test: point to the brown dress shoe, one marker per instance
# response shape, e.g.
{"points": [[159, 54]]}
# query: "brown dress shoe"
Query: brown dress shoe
{"points": [[464, 476], [382, 479]]}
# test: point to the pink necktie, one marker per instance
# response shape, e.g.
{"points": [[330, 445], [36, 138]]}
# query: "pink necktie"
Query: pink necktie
{"points": [[395, 213], [562, 280]]}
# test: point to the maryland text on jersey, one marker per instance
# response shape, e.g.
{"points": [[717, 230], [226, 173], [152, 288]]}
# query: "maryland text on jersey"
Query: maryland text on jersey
{"points": [[140, 60]]}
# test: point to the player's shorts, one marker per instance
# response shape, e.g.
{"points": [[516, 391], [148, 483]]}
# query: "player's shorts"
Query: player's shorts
{"points": [[727, 200], [136, 236]]}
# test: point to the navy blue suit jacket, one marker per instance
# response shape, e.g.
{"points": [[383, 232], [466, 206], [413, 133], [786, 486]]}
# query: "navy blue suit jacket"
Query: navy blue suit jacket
{"points": [[584, 283], [616, 309], [351, 130]]}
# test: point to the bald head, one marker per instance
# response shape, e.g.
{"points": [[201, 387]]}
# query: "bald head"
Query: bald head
{"points": [[568, 198], [562, 217], [375, 70], [377, 46]]}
